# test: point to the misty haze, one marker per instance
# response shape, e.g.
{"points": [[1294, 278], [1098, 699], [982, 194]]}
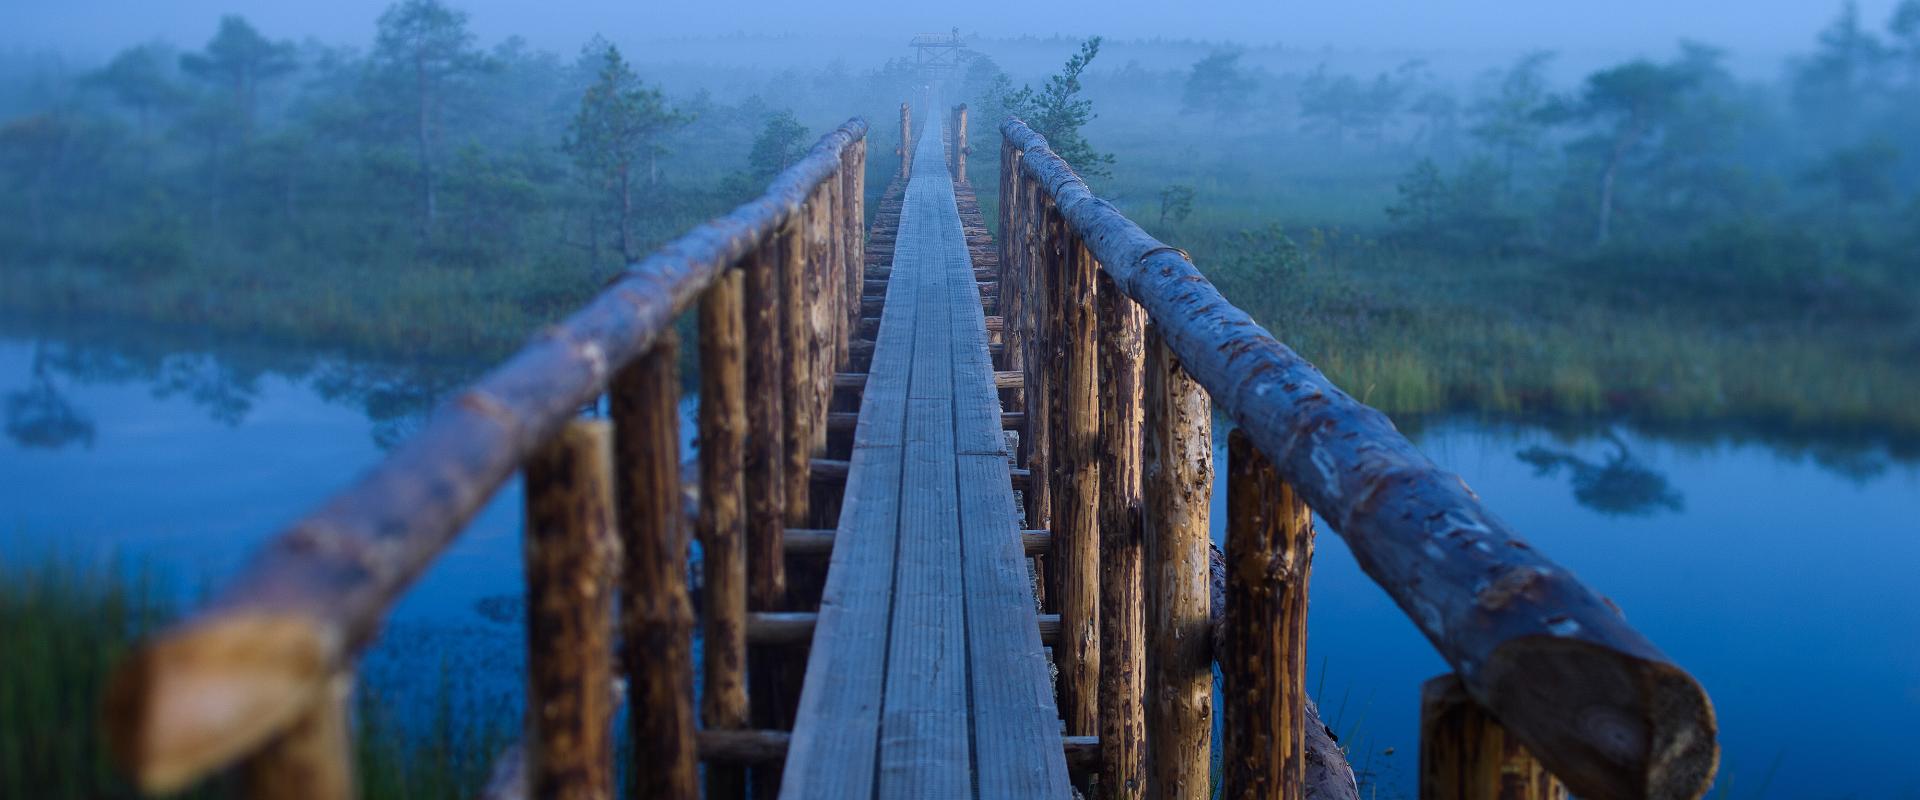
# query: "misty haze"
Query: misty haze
{"points": [[462, 398]]}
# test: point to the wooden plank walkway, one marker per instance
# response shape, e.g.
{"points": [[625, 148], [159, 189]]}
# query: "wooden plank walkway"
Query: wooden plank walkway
{"points": [[927, 678]]}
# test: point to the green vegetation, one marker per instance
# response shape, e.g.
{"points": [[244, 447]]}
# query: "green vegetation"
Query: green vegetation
{"points": [[1662, 241], [424, 197], [67, 626]]}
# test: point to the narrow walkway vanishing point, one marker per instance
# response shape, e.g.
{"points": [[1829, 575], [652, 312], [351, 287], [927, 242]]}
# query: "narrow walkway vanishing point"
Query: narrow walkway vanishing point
{"points": [[927, 675]]}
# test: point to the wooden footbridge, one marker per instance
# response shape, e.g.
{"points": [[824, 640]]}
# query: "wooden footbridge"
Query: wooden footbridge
{"points": [[952, 500]]}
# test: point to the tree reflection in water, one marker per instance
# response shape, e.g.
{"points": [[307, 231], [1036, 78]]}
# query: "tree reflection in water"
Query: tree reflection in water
{"points": [[226, 383], [40, 416], [1621, 486]]}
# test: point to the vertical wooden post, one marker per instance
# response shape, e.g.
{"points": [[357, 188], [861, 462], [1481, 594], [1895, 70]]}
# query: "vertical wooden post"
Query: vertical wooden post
{"points": [[853, 204], [1269, 556], [1076, 480], [1012, 275], [766, 488], [1039, 269], [906, 141], [797, 371], [960, 144], [1177, 481], [656, 614], [1122, 642], [821, 310], [1466, 755], [313, 759], [765, 439], [571, 553], [722, 438]]}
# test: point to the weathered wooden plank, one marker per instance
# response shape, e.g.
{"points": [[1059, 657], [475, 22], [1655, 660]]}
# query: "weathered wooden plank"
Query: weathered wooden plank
{"points": [[835, 745], [1017, 749], [836, 731], [923, 735]]}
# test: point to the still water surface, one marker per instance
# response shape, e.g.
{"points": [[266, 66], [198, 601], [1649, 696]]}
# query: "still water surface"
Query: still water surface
{"points": [[1783, 578]]}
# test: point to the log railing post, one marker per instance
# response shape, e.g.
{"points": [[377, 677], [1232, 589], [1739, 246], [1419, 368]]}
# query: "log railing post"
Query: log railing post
{"points": [[960, 144], [1075, 490], [853, 204], [766, 487], [722, 524], [656, 614], [313, 759], [1466, 755], [906, 141], [1036, 282], [1269, 555], [1013, 280], [1177, 482], [572, 551], [798, 373], [820, 312], [1122, 645]]}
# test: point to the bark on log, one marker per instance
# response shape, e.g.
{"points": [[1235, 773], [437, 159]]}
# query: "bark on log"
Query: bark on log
{"points": [[656, 612], [1329, 776], [1466, 755], [1263, 664], [227, 680], [571, 554], [797, 376], [1593, 698], [1177, 482], [1076, 503], [1122, 334], [722, 523]]}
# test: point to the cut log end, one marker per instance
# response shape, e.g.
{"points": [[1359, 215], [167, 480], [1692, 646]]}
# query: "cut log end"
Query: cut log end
{"points": [[1642, 729], [211, 692]]}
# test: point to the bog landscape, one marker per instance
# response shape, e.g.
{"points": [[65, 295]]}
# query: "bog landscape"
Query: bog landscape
{"points": [[444, 399]]}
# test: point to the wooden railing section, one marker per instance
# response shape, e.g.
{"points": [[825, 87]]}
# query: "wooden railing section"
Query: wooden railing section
{"points": [[1126, 350], [259, 678]]}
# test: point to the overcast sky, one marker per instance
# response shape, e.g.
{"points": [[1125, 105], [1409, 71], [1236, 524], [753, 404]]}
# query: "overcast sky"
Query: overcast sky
{"points": [[88, 28]]}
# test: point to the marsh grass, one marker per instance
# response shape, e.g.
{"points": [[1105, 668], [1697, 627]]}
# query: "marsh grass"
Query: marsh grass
{"points": [[66, 625]]}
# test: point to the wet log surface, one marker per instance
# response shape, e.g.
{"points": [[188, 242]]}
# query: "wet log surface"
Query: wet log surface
{"points": [[1593, 698]]}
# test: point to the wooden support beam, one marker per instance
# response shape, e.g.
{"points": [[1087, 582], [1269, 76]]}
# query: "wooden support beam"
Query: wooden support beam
{"points": [[781, 627], [571, 551], [1083, 755], [1466, 755], [1177, 479], [1263, 666], [722, 521], [750, 748], [857, 381], [656, 613], [848, 420], [819, 542], [803, 398]]}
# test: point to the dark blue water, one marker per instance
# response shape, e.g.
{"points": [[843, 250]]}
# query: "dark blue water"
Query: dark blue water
{"points": [[1781, 577]]}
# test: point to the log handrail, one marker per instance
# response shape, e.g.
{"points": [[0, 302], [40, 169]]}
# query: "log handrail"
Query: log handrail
{"points": [[277, 640], [1550, 658]]}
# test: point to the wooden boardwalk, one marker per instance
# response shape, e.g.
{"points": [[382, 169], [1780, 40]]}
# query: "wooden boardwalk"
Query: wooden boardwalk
{"points": [[927, 677]]}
